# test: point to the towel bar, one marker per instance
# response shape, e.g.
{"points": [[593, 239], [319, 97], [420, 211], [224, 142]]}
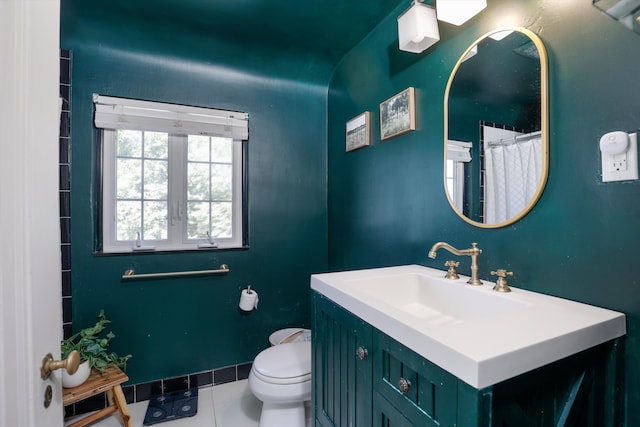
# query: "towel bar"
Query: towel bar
{"points": [[131, 274]]}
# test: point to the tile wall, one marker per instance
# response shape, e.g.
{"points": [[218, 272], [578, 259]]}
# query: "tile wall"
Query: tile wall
{"points": [[65, 187]]}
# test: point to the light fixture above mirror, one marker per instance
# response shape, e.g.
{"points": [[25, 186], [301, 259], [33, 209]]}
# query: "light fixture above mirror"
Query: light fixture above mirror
{"points": [[417, 28], [626, 12], [418, 25], [457, 12]]}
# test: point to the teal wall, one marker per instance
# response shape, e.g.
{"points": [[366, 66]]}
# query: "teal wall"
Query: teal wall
{"points": [[180, 326], [387, 204]]}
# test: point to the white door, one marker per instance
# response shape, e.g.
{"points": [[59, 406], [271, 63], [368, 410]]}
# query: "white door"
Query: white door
{"points": [[30, 302]]}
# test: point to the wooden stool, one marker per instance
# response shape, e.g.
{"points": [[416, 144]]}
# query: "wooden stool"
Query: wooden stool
{"points": [[99, 383]]}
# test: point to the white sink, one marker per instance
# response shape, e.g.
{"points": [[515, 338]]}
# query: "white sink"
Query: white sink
{"points": [[479, 335], [431, 299]]}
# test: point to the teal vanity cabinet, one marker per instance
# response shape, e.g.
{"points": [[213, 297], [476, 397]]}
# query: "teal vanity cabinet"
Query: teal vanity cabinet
{"points": [[362, 377]]}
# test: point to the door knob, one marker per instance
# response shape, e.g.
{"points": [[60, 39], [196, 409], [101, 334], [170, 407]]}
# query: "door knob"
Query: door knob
{"points": [[49, 365]]}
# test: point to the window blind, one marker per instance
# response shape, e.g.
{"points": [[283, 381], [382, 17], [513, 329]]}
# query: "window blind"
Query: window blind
{"points": [[122, 113], [459, 151]]}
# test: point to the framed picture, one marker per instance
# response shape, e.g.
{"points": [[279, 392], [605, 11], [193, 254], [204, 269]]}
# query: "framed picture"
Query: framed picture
{"points": [[358, 131], [397, 114]]}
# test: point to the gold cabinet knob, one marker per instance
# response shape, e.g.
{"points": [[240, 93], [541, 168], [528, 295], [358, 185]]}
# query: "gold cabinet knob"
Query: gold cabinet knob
{"points": [[404, 385], [362, 353], [49, 365]]}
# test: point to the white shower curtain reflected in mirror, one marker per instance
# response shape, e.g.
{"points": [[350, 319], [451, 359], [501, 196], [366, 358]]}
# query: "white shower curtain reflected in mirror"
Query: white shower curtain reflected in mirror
{"points": [[512, 173]]}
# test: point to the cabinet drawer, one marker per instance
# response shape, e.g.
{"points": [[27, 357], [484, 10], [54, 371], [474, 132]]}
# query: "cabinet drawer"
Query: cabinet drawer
{"points": [[424, 393], [387, 415]]}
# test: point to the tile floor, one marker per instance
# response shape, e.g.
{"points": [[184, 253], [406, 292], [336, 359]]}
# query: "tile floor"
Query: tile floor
{"points": [[225, 405]]}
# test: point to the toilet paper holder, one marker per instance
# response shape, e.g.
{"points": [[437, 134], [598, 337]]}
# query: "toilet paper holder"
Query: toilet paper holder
{"points": [[248, 299]]}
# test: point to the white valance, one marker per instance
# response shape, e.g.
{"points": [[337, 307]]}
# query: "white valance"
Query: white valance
{"points": [[122, 113], [458, 151]]}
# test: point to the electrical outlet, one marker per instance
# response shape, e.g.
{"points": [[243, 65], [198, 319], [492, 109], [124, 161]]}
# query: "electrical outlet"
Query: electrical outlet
{"points": [[622, 166], [619, 163]]}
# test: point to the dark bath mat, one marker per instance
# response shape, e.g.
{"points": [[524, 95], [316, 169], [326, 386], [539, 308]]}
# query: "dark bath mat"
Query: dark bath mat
{"points": [[172, 406]]}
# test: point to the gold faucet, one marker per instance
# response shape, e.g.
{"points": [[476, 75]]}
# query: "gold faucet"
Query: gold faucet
{"points": [[473, 252]]}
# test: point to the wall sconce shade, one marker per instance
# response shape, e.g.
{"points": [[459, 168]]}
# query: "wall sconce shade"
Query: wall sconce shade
{"points": [[417, 28], [457, 12]]}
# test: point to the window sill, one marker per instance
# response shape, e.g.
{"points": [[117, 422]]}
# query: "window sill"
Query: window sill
{"points": [[170, 251]]}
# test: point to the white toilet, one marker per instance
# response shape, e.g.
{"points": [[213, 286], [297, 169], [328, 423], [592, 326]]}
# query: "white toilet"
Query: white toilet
{"points": [[281, 378]]}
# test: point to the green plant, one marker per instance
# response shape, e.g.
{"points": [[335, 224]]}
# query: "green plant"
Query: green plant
{"points": [[92, 345]]}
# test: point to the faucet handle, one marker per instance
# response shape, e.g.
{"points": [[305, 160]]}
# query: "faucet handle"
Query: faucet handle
{"points": [[451, 272], [501, 283], [501, 272]]}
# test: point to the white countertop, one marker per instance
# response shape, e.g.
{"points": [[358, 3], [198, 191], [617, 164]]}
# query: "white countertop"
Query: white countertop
{"points": [[500, 336]]}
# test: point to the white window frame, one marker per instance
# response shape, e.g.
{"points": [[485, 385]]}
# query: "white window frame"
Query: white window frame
{"points": [[177, 221]]}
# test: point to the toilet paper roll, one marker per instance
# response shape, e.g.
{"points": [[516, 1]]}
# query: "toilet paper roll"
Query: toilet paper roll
{"points": [[248, 300]]}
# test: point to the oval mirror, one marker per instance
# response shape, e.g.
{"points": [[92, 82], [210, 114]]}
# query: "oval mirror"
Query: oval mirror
{"points": [[496, 128]]}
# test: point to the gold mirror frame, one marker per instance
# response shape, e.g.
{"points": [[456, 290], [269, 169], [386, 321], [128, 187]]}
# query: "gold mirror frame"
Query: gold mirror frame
{"points": [[544, 126]]}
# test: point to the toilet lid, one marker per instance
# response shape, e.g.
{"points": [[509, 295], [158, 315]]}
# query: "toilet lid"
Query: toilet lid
{"points": [[285, 361], [285, 335]]}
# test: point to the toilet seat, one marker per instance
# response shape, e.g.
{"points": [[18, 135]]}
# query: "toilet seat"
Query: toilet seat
{"points": [[288, 363], [282, 381]]}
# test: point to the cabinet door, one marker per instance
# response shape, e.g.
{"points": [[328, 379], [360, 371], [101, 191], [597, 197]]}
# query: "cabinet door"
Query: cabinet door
{"points": [[423, 393], [341, 366]]}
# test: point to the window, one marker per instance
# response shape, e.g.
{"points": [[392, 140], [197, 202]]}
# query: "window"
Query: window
{"points": [[168, 189], [458, 153], [455, 182]]}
